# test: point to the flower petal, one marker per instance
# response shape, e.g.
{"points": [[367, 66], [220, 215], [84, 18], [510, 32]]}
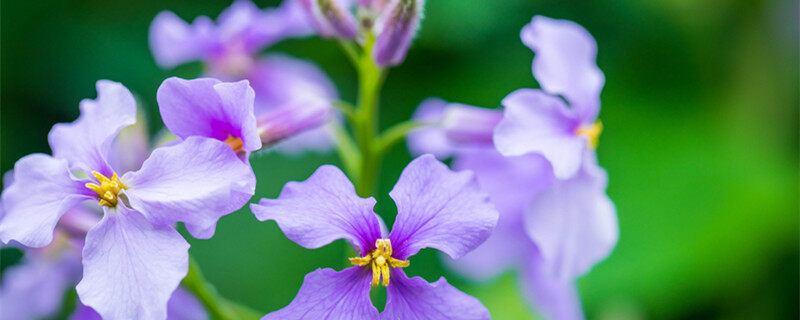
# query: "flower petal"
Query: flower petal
{"points": [[131, 147], [431, 137], [439, 208], [210, 108], [511, 183], [574, 223], [35, 288], [327, 294], [173, 41], [42, 191], [131, 266], [415, 298], [196, 181], [279, 80], [537, 122], [565, 63], [181, 306], [553, 298], [85, 142], [331, 18], [322, 209]]}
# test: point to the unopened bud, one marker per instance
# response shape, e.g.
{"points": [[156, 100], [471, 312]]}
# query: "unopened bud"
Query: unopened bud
{"points": [[331, 18], [396, 27], [292, 119], [468, 125]]}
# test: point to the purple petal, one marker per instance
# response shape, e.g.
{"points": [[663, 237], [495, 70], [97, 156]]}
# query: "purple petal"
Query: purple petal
{"points": [[439, 208], [331, 18], [131, 266], [85, 143], [279, 80], [43, 190], [327, 294], [130, 148], [322, 209], [414, 298], [196, 181], [184, 306], [553, 298], [173, 41], [243, 21], [319, 139], [565, 63], [574, 223], [288, 121], [431, 137], [537, 122], [35, 288], [181, 306], [511, 183], [470, 125], [210, 108], [395, 28]]}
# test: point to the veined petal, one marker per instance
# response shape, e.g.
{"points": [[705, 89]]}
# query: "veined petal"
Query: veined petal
{"points": [[131, 266], [565, 63], [439, 208], [173, 41], [210, 108], [573, 223], [552, 297], [511, 183], [42, 191], [35, 288], [196, 181], [537, 122], [327, 294], [415, 298], [322, 209], [85, 142], [181, 306]]}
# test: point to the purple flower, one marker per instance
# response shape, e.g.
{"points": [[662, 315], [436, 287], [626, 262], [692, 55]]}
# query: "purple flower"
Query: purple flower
{"points": [[133, 258], [437, 208], [181, 306], [229, 44], [539, 121], [556, 221], [331, 18], [396, 27]]}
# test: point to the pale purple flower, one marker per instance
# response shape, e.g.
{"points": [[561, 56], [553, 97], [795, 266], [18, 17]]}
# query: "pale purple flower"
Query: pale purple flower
{"points": [[437, 208], [182, 305], [393, 22], [228, 45], [540, 121], [133, 258], [556, 221]]}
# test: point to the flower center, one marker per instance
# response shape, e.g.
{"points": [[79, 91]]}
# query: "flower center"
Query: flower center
{"points": [[107, 190], [235, 143], [591, 131], [380, 260]]}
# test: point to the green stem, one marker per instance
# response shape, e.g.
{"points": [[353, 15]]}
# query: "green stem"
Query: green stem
{"points": [[370, 79], [394, 135], [218, 307]]}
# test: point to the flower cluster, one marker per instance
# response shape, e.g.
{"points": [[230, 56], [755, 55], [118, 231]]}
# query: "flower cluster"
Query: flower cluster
{"points": [[524, 192]]}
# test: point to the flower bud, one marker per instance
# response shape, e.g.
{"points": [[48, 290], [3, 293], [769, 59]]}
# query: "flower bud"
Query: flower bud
{"points": [[331, 18], [468, 125], [395, 28], [292, 119]]}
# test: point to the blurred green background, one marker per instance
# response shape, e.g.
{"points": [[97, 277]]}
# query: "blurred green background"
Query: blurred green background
{"points": [[701, 141]]}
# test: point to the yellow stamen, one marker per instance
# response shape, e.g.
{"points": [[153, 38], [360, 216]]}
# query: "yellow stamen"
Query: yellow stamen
{"points": [[380, 260], [107, 190], [235, 143], [591, 131]]}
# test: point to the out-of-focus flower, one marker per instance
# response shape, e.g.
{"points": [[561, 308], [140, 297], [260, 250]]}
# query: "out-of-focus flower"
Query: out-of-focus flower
{"points": [[133, 258], [228, 45], [393, 22], [437, 208], [556, 221], [539, 121]]}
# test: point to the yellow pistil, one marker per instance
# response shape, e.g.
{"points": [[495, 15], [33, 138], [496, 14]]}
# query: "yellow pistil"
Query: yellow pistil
{"points": [[108, 189], [592, 132], [235, 143], [380, 260]]}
